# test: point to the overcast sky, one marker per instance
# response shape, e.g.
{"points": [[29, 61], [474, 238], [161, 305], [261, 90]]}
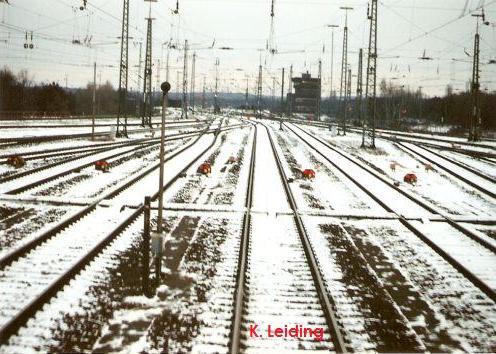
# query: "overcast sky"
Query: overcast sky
{"points": [[443, 28]]}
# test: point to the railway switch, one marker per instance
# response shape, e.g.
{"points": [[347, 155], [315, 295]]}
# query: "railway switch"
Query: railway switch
{"points": [[16, 161], [410, 178], [308, 174], [205, 168], [102, 165]]}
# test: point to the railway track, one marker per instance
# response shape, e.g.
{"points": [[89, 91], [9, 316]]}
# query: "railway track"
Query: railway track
{"points": [[36, 271], [86, 164], [469, 274], [41, 126], [105, 199], [306, 277], [394, 136], [81, 153], [382, 132], [434, 159], [46, 138]]}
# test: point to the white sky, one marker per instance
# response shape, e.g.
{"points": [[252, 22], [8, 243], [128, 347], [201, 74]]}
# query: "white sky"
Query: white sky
{"points": [[405, 31]]}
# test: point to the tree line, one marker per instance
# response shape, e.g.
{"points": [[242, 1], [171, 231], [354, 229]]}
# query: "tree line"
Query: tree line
{"points": [[397, 106], [18, 92]]}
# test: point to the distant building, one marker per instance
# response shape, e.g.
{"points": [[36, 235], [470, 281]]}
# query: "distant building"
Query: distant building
{"points": [[306, 97]]}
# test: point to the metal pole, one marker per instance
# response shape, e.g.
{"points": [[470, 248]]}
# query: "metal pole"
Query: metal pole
{"points": [[192, 91], [290, 110], [344, 73], [158, 256], [147, 82], [282, 98], [320, 90], [167, 63], [140, 96], [94, 103], [246, 94], [216, 104], [145, 248], [185, 81], [475, 114], [123, 70], [332, 66], [165, 90], [371, 84], [259, 92]]}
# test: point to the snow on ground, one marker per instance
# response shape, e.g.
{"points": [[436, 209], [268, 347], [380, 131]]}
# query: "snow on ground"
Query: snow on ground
{"points": [[90, 183], [434, 186], [280, 289], [20, 222], [485, 167], [476, 258], [391, 290], [226, 184], [268, 194], [481, 182], [62, 327], [185, 313], [330, 190], [148, 185], [469, 315], [399, 203]]}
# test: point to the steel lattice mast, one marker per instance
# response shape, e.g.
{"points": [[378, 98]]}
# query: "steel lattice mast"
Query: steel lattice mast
{"points": [[331, 92], [146, 117], [193, 74], [344, 72], [259, 92], [282, 92], [216, 102], [123, 71], [371, 82], [475, 116], [185, 82], [270, 43], [359, 91], [320, 91], [290, 84], [348, 98]]}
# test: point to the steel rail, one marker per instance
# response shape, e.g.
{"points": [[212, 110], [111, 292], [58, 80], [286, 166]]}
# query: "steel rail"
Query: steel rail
{"points": [[447, 257], [235, 334], [21, 318], [326, 300]]}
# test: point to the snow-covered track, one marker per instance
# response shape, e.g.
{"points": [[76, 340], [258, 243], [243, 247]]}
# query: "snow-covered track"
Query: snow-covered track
{"points": [[438, 159], [411, 197], [392, 134], [235, 335], [184, 123], [87, 164], [308, 275], [25, 248], [81, 153], [455, 262], [46, 138], [52, 267]]}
